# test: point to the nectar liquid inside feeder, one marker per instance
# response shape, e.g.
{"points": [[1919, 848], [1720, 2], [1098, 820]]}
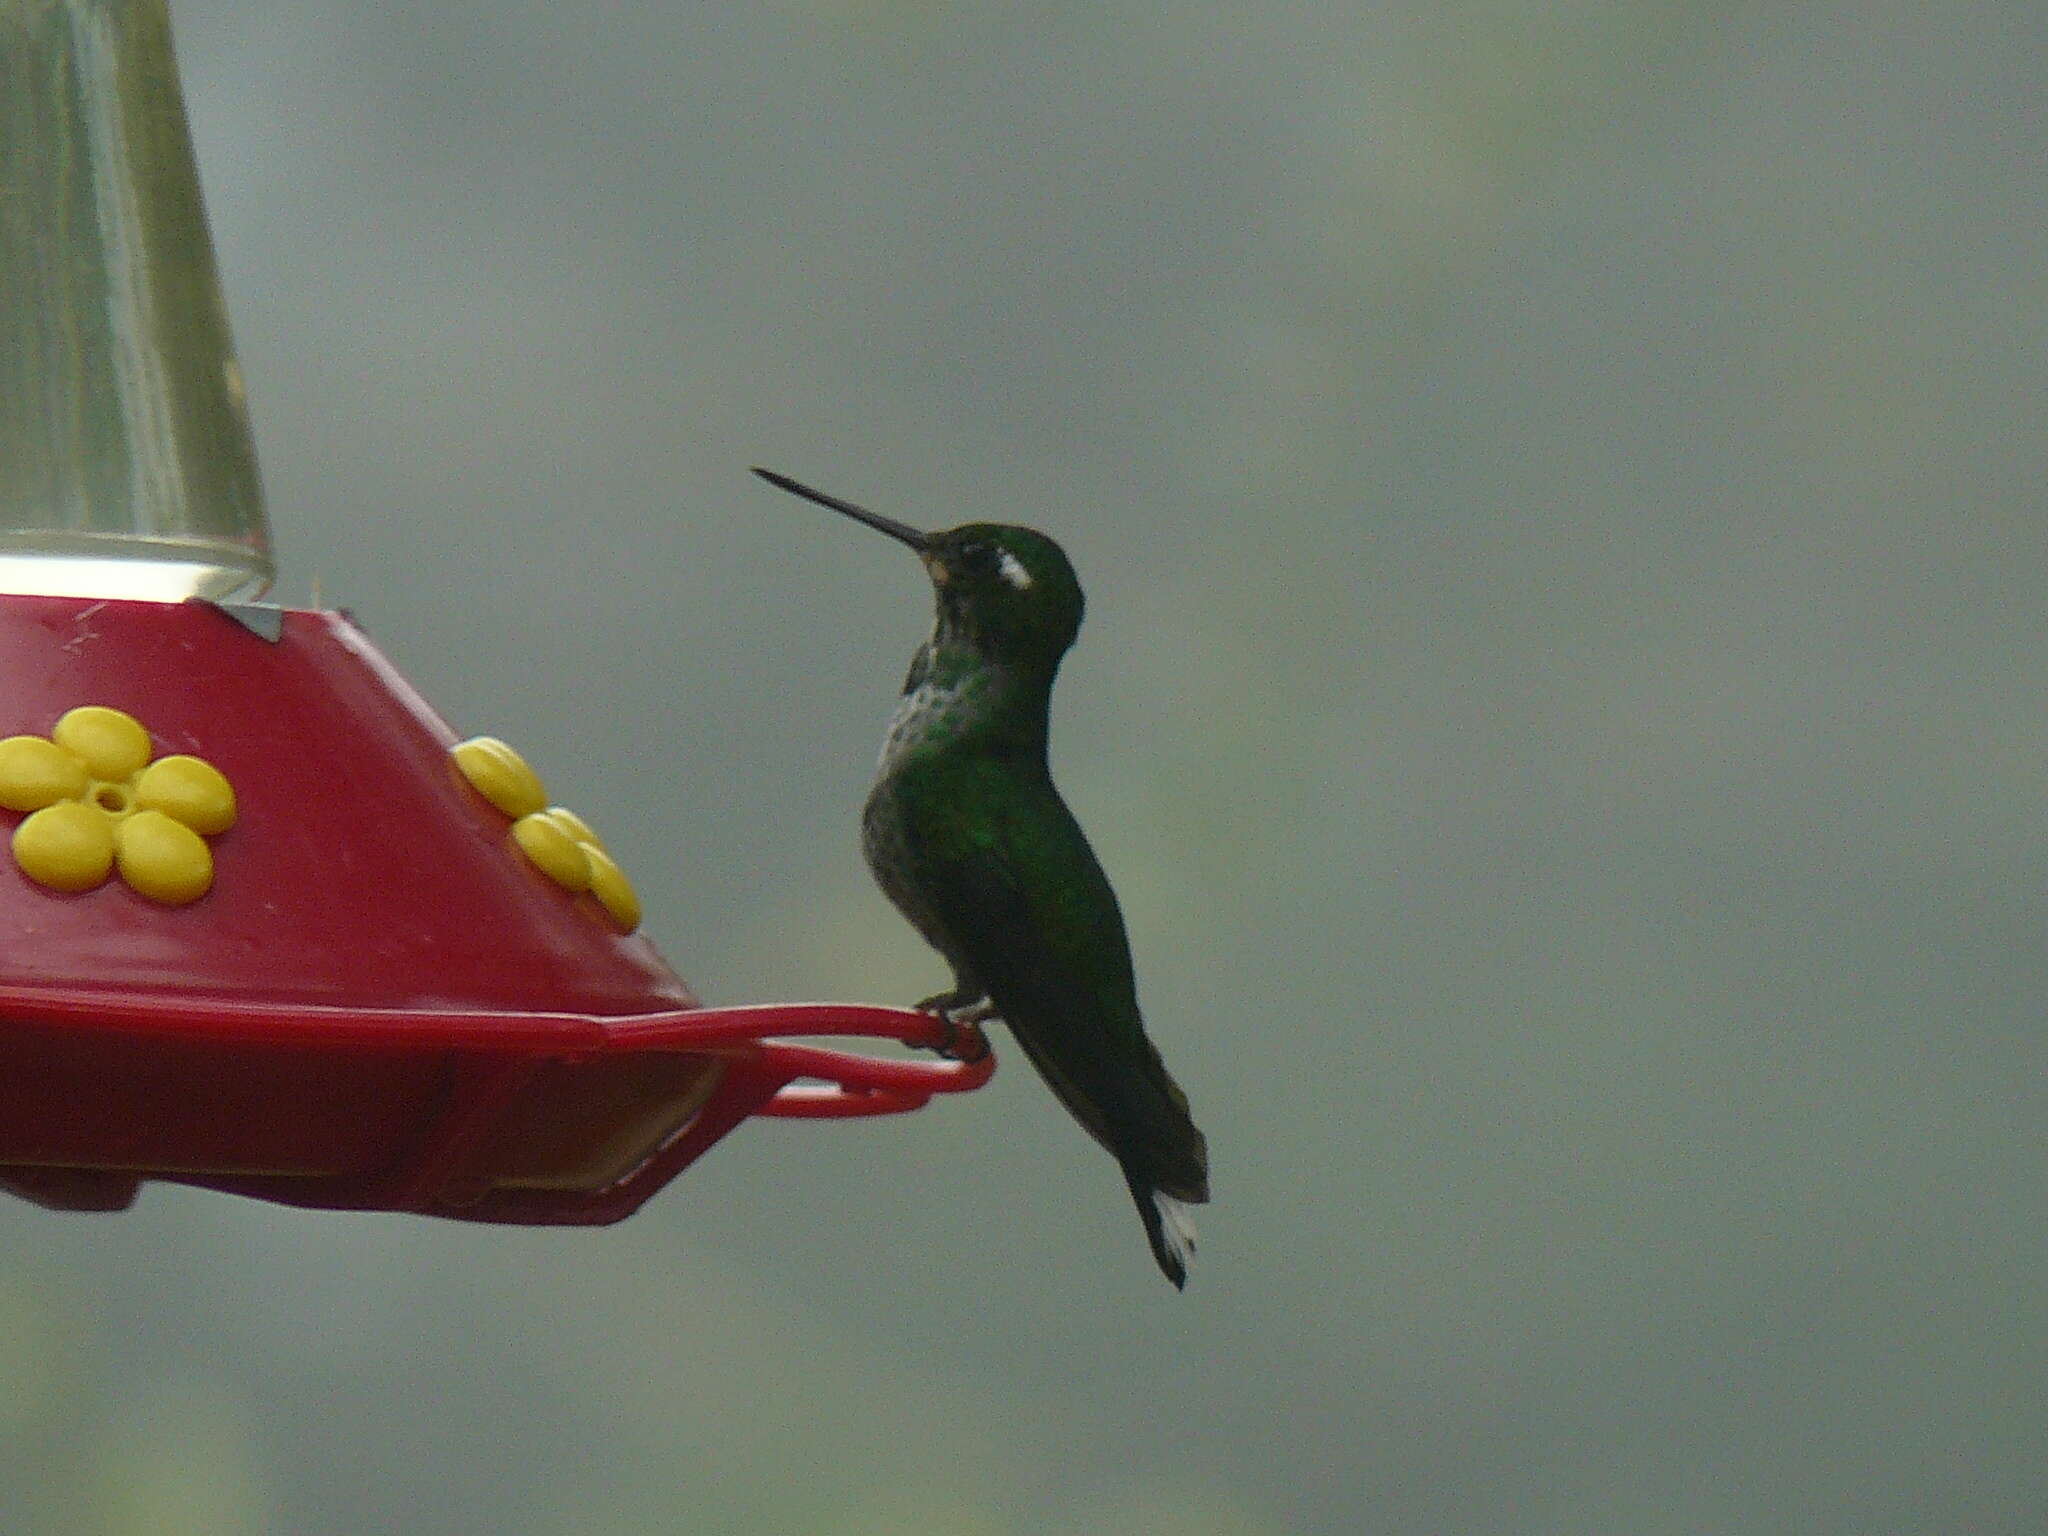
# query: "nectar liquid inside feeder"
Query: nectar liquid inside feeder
{"points": [[266, 925]]}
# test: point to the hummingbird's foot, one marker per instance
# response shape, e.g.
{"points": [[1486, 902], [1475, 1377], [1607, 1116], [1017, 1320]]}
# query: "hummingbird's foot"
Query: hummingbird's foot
{"points": [[964, 1040], [963, 1016], [957, 1001]]}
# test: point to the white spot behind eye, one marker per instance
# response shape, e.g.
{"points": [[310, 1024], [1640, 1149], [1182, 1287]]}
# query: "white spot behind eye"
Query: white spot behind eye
{"points": [[1011, 569]]}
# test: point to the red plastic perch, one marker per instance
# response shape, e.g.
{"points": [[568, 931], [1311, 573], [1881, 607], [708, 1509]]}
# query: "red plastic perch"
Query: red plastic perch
{"points": [[551, 1119]]}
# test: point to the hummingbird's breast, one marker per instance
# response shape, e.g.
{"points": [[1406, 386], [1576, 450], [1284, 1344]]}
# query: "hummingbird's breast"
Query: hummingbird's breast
{"points": [[936, 723], [889, 847]]}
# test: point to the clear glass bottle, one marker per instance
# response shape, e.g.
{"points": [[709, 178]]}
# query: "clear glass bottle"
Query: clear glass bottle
{"points": [[126, 463]]}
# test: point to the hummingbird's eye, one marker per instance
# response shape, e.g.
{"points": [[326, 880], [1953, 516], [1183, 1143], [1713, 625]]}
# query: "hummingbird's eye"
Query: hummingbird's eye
{"points": [[976, 561], [986, 560]]}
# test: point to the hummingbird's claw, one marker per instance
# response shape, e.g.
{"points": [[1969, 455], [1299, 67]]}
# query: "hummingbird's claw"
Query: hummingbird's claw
{"points": [[963, 1017], [964, 1041]]}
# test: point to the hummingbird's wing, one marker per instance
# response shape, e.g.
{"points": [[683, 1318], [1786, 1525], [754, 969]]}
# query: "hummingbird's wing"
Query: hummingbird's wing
{"points": [[1023, 904]]}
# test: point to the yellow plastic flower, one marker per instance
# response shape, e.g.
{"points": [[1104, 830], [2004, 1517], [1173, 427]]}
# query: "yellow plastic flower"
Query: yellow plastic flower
{"points": [[554, 839], [500, 775], [96, 802]]}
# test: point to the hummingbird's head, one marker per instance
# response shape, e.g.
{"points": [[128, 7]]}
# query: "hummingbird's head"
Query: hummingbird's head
{"points": [[1005, 590], [1009, 592]]}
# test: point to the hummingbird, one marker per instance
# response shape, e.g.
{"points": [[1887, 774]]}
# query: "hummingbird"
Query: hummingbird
{"points": [[966, 835]]}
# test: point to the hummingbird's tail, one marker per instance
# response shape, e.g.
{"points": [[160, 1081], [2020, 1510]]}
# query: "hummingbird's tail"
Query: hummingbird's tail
{"points": [[1169, 1227]]}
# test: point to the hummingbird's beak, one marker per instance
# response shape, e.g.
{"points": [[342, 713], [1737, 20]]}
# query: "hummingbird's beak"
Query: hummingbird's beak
{"points": [[902, 531]]}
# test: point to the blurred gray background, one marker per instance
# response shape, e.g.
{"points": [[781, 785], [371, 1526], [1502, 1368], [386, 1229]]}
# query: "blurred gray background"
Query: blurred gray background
{"points": [[1565, 701]]}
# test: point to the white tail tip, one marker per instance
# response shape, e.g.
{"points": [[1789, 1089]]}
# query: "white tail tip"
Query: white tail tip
{"points": [[1176, 1226]]}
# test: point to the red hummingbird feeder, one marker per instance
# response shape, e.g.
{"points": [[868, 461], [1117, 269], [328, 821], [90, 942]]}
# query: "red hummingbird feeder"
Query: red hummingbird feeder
{"points": [[269, 927]]}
